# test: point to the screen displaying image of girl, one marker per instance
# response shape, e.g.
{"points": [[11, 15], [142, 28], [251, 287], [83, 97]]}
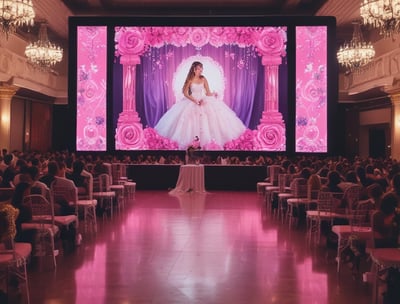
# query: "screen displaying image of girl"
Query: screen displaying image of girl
{"points": [[200, 113]]}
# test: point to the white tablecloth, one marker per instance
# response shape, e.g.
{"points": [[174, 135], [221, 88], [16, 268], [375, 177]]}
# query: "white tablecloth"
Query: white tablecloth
{"points": [[190, 179]]}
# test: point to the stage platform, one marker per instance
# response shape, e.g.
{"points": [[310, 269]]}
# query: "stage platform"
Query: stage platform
{"points": [[217, 177]]}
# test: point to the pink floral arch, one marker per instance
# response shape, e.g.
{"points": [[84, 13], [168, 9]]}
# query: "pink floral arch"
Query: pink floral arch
{"points": [[270, 44]]}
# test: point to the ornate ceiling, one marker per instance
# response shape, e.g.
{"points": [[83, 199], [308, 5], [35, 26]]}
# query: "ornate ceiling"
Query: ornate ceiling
{"points": [[56, 12]]}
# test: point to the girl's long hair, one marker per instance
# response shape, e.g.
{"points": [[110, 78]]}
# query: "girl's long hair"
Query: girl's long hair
{"points": [[190, 75]]}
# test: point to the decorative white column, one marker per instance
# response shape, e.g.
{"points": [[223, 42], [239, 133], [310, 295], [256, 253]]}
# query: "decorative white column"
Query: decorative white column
{"points": [[395, 132], [129, 133], [6, 94]]}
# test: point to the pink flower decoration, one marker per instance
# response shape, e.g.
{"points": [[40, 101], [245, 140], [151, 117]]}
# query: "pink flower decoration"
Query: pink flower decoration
{"points": [[244, 36], [91, 92], [217, 37], [271, 41], [154, 141], [180, 36], [131, 42], [156, 36], [230, 35], [212, 146], [199, 36], [271, 137], [131, 135], [312, 91]]}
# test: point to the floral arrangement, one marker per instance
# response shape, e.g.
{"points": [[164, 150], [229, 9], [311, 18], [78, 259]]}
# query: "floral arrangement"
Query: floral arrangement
{"points": [[154, 141], [134, 41], [195, 145], [8, 215]]}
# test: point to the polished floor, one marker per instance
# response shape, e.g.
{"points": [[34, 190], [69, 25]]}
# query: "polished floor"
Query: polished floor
{"points": [[219, 247]]}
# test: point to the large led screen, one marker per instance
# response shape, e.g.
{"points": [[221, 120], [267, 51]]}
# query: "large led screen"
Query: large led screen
{"points": [[137, 87]]}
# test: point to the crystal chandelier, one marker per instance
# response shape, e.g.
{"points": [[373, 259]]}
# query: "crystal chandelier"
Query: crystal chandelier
{"points": [[357, 52], [43, 53], [381, 14], [15, 13]]}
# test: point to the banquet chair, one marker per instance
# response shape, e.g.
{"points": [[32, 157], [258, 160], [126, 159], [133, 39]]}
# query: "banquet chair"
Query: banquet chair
{"points": [[14, 256], [298, 189], [117, 184], [273, 187], [64, 190], [103, 194], [271, 180], [294, 203], [324, 213], [352, 196], [118, 172], [87, 205], [46, 231], [356, 235]]}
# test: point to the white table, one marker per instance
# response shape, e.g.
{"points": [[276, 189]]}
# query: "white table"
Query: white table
{"points": [[190, 179]]}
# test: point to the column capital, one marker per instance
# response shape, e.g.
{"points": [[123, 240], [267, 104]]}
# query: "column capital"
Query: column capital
{"points": [[395, 98], [7, 90]]}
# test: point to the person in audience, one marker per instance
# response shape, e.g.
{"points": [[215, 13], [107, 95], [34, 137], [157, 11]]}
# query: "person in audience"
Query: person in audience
{"points": [[52, 172], [333, 181], [395, 186], [78, 178], [37, 187], [22, 189], [9, 173], [99, 168], [314, 186], [375, 194], [385, 223]]}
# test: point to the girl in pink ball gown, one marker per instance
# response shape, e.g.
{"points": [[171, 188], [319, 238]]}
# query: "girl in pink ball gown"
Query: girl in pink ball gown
{"points": [[200, 113]]}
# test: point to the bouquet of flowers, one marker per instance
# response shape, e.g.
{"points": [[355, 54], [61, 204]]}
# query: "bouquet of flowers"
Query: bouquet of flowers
{"points": [[192, 148]]}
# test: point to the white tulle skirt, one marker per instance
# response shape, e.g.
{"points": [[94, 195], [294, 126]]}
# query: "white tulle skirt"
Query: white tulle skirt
{"points": [[213, 122]]}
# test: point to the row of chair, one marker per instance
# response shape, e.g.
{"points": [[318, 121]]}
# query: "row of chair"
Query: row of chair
{"points": [[48, 226]]}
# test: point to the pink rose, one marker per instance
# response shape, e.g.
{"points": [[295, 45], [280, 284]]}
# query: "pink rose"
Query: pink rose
{"points": [[131, 135], [91, 92], [312, 91], [217, 36], [230, 35], [244, 36], [271, 41], [199, 36], [155, 36], [271, 137], [131, 42], [180, 36]]}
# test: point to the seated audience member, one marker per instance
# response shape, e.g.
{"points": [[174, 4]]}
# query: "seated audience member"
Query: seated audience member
{"points": [[333, 181], [76, 176], [314, 186], [9, 173], [385, 223], [395, 187], [99, 168], [37, 187], [25, 215], [375, 194], [52, 172]]}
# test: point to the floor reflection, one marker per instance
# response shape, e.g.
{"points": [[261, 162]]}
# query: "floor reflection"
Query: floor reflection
{"points": [[196, 248], [191, 203]]}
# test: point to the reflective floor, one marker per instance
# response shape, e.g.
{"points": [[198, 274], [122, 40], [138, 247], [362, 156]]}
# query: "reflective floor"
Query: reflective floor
{"points": [[219, 247]]}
